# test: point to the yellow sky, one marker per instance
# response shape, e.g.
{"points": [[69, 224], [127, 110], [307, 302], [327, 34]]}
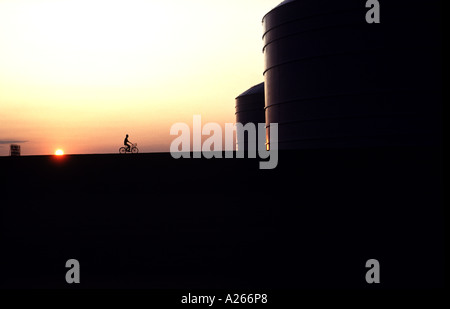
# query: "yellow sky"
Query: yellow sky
{"points": [[80, 74]]}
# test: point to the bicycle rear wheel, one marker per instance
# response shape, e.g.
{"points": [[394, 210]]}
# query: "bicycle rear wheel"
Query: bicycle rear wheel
{"points": [[122, 150]]}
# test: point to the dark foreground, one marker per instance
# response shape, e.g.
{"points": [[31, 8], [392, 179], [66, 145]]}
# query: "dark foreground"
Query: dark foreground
{"points": [[150, 221]]}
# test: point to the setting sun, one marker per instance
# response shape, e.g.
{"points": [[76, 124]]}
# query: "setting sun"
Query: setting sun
{"points": [[59, 152]]}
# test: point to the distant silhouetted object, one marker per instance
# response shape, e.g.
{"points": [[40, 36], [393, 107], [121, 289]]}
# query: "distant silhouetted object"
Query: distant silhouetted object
{"points": [[127, 143], [129, 147], [14, 150]]}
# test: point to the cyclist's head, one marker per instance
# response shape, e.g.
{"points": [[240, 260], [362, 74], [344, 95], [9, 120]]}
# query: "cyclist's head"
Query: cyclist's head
{"points": [[127, 135]]}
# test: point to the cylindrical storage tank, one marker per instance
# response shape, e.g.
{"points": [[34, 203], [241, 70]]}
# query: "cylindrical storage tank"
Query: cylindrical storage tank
{"points": [[334, 80], [250, 108]]}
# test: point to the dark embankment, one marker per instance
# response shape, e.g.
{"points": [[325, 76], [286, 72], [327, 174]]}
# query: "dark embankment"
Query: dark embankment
{"points": [[150, 221]]}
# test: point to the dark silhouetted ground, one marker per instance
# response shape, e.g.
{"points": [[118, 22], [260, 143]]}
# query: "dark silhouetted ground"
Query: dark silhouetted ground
{"points": [[150, 221]]}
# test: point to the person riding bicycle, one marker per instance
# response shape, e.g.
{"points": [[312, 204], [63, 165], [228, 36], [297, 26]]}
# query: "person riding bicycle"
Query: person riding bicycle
{"points": [[127, 143]]}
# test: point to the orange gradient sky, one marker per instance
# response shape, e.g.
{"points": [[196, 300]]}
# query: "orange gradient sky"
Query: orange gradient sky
{"points": [[78, 75]]}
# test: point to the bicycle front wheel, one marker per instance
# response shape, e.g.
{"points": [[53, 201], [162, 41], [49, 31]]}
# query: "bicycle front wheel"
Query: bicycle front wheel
{"points": [[134, 150], [122, 150]]}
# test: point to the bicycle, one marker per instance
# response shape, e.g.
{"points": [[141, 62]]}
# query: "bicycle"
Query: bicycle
{"points": [[132, 149]]}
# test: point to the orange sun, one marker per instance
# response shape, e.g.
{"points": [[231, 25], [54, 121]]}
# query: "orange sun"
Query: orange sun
{"points": [[59, 152]]}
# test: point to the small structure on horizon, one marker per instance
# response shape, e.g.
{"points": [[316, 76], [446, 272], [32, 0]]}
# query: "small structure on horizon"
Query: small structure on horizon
{"points": [[14, 150]]}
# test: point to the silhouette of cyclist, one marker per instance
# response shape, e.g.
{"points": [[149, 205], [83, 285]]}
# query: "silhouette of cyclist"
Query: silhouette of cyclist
{"points": [[127, 143]]}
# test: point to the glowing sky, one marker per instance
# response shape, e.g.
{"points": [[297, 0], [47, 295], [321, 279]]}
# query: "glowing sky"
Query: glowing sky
{"points": [[78, 75]]}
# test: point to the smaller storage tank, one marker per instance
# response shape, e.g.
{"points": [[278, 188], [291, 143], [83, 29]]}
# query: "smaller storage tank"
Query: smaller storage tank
{"points": [[250, 108]]}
